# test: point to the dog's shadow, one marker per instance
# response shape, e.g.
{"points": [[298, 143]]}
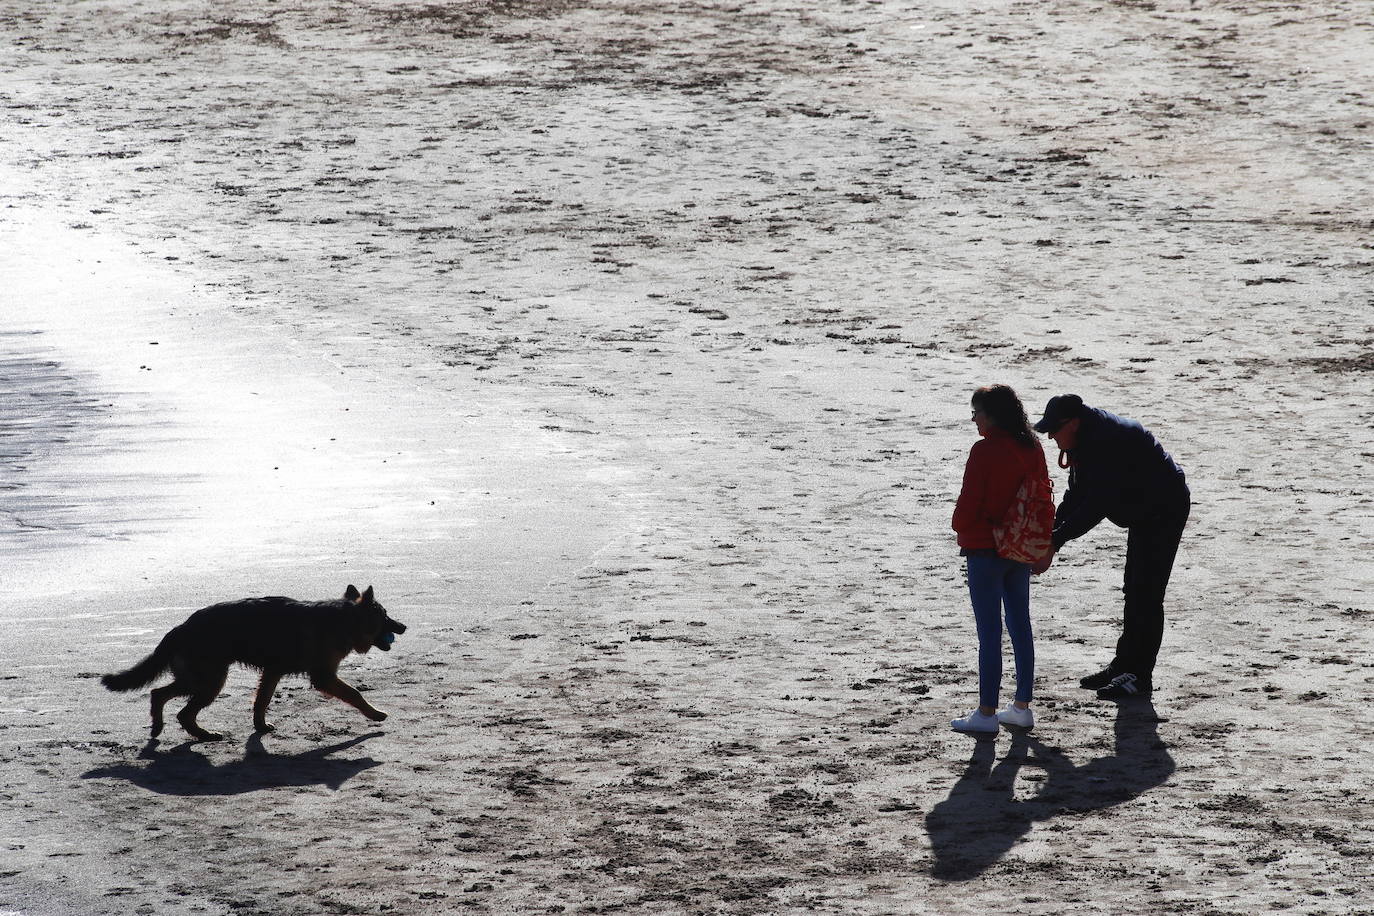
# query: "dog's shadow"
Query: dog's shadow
{"points": [[182, 770], [982, 819]]}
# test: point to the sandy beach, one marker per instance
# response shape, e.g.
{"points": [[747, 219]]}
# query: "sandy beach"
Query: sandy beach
{"points": [[626, 350]]}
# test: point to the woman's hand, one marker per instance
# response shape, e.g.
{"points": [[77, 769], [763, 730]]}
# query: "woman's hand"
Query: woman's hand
{"points": [[1044, 564]]}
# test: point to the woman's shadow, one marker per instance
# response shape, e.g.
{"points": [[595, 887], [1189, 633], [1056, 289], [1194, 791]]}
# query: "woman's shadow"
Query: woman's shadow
{"points": [[982, 819], [182, 770]]}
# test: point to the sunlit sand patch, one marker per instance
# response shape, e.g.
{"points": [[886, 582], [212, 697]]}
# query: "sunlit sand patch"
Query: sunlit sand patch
{"points": [[154, 432]]}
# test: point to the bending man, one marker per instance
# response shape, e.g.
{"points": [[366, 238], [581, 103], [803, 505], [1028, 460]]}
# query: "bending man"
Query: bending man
{"points": [[1120, 472]]}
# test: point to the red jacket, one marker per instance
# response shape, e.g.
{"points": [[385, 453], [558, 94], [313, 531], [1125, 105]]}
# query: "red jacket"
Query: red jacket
{"points": [[996, 466]]}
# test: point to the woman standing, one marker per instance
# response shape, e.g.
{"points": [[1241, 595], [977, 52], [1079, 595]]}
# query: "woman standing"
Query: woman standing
{"points": [[1008, 455]]}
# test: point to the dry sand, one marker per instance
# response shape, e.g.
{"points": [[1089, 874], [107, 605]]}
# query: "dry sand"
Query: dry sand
{"points": [[625, 348]]}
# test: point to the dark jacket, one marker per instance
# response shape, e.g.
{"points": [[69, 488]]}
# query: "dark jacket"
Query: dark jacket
{"points": [[1119, 472]]}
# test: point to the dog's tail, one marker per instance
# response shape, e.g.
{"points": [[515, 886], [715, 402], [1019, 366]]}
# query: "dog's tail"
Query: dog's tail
{"points": [[142, 674]]}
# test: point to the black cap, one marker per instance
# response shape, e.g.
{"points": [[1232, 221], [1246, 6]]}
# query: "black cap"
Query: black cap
{"points": [[1060, 409]]}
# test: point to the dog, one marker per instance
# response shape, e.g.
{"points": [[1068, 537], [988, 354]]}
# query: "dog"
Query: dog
{"points": [[277, 636]]}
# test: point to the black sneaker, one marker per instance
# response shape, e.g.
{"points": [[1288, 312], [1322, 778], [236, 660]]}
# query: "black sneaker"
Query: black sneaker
{"points": [[1125, 686], [1099, 680]]}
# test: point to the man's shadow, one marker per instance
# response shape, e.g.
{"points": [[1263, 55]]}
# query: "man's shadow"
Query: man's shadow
{"points": [[182, 770], [982, 819]]}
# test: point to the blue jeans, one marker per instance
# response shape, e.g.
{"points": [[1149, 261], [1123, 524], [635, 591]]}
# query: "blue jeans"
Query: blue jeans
{"points": [[995, 584]]}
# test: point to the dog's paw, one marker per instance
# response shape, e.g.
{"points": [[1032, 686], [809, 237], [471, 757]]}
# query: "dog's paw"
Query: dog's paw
{"points": [[264, 728], [377, 715]]}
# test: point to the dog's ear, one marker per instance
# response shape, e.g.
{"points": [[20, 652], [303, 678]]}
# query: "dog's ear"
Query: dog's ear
{"points": [[367, 596], [351, 594]]}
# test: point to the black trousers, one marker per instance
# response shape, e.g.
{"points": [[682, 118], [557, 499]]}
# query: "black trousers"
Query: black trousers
{"points": [[1150, 551]]}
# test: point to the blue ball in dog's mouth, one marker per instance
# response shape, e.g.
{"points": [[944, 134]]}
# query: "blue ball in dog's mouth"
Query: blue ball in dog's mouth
{"points": [[387, 638]]}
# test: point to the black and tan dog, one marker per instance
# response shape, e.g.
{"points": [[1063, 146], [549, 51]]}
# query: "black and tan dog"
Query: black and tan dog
{"points": [[277, 636]]}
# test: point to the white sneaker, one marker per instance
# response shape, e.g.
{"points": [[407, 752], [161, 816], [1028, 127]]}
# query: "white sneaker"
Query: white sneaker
{"points": [[975, 722], [1013, 715]]}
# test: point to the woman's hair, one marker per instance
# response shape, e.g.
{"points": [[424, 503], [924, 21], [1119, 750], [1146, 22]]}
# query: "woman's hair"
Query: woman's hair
{"points": [[1003, 408]]}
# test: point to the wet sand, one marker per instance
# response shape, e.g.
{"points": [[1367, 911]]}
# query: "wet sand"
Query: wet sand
{"points": [[625, 349]]}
